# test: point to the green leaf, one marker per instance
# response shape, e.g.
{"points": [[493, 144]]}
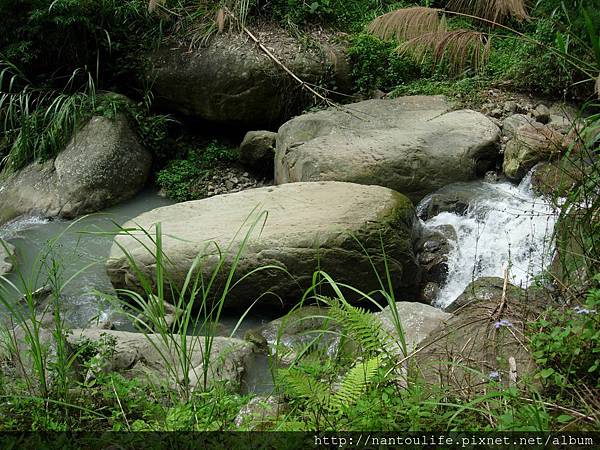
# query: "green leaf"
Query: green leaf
{"points": [[545, 373], [564, 418]]}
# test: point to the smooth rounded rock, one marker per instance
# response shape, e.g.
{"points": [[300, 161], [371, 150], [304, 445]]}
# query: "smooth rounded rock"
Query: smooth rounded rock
{"points": [[298, 227], [231, 80], [102, 165], [413, 145]]}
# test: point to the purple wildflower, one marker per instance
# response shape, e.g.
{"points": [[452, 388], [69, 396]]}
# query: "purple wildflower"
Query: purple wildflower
{"points": [[494, 375], [503, 323]]}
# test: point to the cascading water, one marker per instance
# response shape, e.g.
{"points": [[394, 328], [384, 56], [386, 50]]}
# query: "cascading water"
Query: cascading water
{"points": [[503, 224]]}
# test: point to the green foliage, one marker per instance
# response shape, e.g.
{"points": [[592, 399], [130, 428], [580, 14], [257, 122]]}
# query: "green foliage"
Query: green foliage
{"points": [[38, 123], [48, 39], [376, 64], [567, 344], [344, 14], [465, 89], [152, 129], [527, 66], [182, 176]]}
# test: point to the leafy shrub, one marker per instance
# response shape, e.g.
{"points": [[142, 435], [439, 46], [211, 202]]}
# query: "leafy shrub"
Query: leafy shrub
{"points": [[567, 345], [376, 64], [345, 14], [181, 177], [49, 39]]}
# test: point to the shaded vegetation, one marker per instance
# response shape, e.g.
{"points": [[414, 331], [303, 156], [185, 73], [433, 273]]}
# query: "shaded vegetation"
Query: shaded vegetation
{"points": [[60, 58]]}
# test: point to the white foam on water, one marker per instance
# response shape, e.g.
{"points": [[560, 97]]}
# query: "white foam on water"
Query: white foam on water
{"points": [[504, 224], [11, 229]]}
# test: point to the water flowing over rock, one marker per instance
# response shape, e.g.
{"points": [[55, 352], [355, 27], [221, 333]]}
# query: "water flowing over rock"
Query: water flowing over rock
{"points": [[300, 227], [413, 145], [232, 81], [503, 224], [102, 165]]}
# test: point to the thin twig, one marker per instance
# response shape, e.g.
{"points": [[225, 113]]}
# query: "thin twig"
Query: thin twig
{"points": [[276, 60]]}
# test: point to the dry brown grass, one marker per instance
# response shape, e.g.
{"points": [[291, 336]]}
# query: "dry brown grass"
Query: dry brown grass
{"points": [[407, 23], [459, 48], [598, 86], [493, 10]]}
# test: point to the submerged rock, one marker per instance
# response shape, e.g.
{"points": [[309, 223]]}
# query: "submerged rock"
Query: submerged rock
{"points": [[287, 337], [261, 413], [102, 165], [299, 227], [7, 253], [150, 358], [413, 145], [232, 81]]}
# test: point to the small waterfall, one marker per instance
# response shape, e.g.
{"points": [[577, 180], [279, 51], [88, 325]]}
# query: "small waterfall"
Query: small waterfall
{"points": [[503, 223]]}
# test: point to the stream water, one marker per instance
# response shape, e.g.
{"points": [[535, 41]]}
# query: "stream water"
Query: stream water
{"points": [[503, 223]]}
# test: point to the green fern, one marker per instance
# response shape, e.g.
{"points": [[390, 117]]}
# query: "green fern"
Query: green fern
{"points": [[355, 384], [302, 386], [360, 326]]}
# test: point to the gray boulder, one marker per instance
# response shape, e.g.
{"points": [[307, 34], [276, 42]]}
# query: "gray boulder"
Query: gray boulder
{"points": [[480, 344], [7, 252], [417, 321], [530, 145], [485, 289], [102, 165], [151, 359], [298, 227], [514, 122], [232, 81], [413, 145], [257, 151]]}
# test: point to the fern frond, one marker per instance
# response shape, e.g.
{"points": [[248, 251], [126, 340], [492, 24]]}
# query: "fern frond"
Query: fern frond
{"points": [[460, 48], [360, 326], [355, 383], [493, 10], [406, 23], [298, 384]]}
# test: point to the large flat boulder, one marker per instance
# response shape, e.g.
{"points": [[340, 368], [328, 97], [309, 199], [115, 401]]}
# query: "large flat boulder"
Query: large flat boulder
{"points": [[301, 227], [102, 165], [413, 145], [230, 80]]}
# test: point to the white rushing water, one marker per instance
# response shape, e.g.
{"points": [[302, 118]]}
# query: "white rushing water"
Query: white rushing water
{"points": [[504, 224]]}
